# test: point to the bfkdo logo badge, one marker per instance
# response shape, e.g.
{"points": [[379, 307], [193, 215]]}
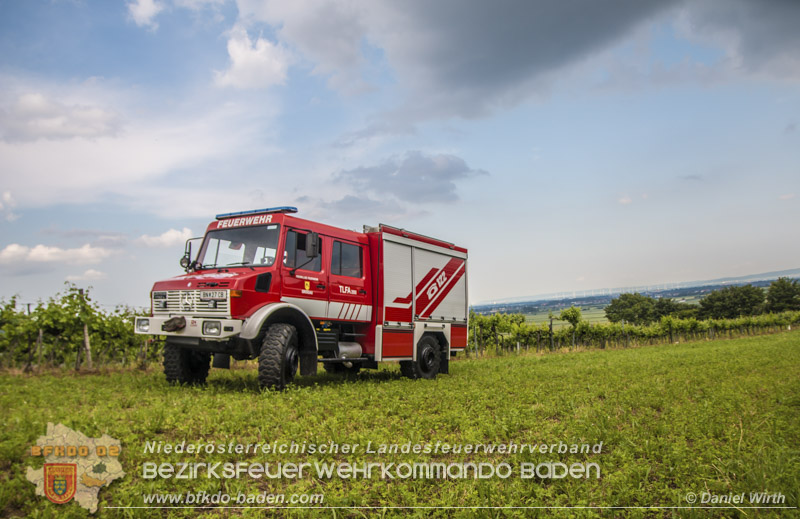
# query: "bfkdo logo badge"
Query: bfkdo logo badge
{"points": [[76, 467], [60, 481]]}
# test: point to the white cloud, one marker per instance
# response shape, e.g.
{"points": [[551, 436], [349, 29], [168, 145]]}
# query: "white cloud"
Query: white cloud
{"points": [[757, 38], [258, 64], [329, 33], [144, 12], [167, 238], [89, 275], [625, 200], [356, 209], [468, 59], [414, 177], [197, 5], [787, 196], [33, 116], [141, 166], [450, 57], [7, 204], [87, 254]]}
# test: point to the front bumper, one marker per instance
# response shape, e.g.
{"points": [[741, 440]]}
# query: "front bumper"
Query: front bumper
{"points": [[195, 327]]}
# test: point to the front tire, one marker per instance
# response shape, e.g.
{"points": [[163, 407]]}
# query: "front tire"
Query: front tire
{"points": [[279, 357], [429, 360], [183, 366]]}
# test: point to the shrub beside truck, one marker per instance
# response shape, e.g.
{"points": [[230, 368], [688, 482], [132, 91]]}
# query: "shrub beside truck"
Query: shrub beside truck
{"points": [[294, 293]]}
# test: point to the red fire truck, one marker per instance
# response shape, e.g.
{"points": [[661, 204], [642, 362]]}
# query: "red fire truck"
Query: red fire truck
{"points": [[292, 293]]}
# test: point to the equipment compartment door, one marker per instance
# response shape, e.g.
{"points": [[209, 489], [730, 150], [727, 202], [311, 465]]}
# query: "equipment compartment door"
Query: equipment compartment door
{"points": [[441, 287], [398, 298]]}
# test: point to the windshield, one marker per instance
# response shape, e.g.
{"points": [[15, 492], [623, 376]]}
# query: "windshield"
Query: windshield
{"points": [[246, 246]]}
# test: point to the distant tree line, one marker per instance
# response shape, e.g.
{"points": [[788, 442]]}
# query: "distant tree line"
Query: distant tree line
{"points": [[782, 295]]}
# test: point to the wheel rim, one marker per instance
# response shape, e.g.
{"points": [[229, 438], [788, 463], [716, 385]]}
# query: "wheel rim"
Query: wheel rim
{"points": [[292, 361]]}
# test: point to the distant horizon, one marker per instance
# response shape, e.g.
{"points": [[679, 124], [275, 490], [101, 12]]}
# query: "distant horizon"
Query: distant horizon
{"points": [[573, 294], [566, 145]]}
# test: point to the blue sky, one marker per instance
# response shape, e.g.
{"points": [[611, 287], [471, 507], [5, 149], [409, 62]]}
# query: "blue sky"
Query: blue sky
{"points": [[569, 145]]}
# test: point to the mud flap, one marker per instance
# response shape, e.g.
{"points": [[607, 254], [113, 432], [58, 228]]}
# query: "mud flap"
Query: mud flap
{"points": [[444, 363], [308, 363]]}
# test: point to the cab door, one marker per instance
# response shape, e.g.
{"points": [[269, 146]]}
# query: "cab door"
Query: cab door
{"points": [[308, 286], [349, 297]]}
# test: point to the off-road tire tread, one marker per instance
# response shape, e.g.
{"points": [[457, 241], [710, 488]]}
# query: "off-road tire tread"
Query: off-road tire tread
{"points": [[270, 369], [183, 366]]}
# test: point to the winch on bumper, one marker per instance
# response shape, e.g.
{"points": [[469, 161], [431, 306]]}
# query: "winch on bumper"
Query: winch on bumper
{"points": [[208, 328]]}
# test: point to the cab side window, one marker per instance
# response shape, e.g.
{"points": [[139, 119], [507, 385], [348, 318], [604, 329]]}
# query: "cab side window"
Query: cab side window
{"points": [[295, 252], [346, 260]]}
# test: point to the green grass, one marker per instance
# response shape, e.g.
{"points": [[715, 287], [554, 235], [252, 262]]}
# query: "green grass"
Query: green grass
{"points": [[721, 416]]}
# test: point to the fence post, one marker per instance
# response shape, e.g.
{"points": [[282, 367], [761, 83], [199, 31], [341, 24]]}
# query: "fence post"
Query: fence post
{"points": [[29, 365], [78, 359], [87, 346], [39, 350], [142, 354]]}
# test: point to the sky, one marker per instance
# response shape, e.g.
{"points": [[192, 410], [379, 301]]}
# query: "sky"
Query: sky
{"points": [[569, 145]]}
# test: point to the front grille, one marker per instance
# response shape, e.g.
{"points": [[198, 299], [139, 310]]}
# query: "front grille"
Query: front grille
{"points": [[191, 302]]}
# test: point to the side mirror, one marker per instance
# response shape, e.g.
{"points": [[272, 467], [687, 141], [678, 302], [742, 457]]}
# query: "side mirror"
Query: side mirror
{"points": [[312, 245], [186, 261]]}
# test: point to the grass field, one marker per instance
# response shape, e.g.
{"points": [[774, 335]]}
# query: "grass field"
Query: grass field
{"points": [[721, 417]]}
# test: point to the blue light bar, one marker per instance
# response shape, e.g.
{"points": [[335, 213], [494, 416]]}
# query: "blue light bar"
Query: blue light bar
{"points": [[282, 209]]}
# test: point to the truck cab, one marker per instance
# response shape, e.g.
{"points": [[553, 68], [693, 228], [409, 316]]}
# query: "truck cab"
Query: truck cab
{"points": [[294, 293]]}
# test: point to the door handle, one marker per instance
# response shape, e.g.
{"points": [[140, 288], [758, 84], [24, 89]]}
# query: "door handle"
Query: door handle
{"points": [[321, 286]]}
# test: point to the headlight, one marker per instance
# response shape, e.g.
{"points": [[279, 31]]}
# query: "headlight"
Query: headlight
{"points": [[143, 325], [211, 328]]}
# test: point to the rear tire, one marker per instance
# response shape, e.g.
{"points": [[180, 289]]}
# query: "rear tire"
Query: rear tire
{"points": [[184, 366], [279, 357], [429, 360]]}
